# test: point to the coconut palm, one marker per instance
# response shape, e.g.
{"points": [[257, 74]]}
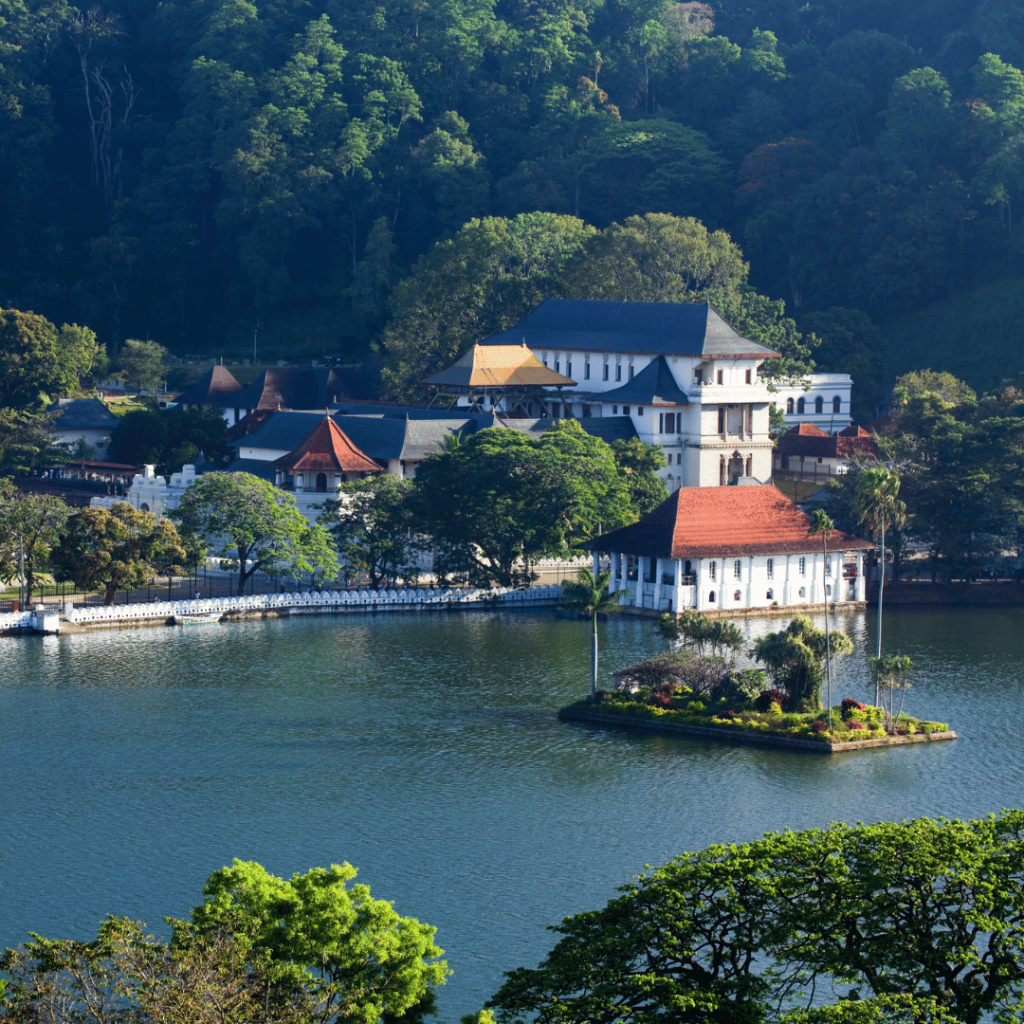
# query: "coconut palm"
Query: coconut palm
{"points": [[823, 527], [878, 505], [588, 595]]}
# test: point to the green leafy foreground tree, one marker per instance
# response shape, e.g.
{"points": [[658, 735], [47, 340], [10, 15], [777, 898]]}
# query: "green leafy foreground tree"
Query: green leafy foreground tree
{"points": [[915, 921], [29, 527], [114, 550], [259, 950], [261, 523], [374, 529]]}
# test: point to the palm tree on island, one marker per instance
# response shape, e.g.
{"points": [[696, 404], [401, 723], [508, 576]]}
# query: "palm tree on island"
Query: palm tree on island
{"points": [[823, 527], [878, 505], [588, 596]]}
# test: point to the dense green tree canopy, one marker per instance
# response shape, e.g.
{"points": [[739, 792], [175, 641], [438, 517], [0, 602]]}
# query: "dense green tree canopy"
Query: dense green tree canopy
{"points": [[374, 528], [261, 525], [919, 920], [202, 172], [114, 550], [259, 950], [168, 438], [500, 500]]}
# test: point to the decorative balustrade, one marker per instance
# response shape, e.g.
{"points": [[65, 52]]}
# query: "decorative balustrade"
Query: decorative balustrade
{"points": [[326, 600]]}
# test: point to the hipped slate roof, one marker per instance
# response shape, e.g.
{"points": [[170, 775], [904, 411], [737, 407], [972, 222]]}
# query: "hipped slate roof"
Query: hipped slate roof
{"points": [[216, 387], [672, 328], [82, 414], [493, 365], [327, 449], [409, 437], [810, 442], [653, 385], [722, 522], [291, 387]]}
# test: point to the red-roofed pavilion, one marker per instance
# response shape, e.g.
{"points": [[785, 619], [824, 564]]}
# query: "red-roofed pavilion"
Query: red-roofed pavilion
{"points": [[731, 549], [323, 462]]}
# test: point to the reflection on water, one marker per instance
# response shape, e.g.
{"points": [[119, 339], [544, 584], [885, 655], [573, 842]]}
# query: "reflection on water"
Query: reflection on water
{"points": [[423, 748]]}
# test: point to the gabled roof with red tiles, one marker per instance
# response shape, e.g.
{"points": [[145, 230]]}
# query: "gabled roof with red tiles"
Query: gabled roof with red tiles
{"points": [[810, 442], [327, 449], [720, 522]]}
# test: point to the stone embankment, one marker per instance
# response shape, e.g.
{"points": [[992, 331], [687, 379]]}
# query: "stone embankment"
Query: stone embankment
{"points": [[156, 613]]}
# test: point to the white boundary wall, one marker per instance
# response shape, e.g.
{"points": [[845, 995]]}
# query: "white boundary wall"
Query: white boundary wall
{"points": [[307, 601]]}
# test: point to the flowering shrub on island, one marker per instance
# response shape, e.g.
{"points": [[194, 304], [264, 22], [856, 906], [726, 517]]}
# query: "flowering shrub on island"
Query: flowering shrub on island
{"points": [[671, 702]]}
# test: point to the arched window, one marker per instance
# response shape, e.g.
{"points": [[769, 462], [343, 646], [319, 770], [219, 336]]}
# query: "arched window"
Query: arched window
{"points": [[711, 597], [321, 482], [770, 595], [800, 406], [144, 507], [736, 595], [836, 403], [789, 406], [819, 405]]}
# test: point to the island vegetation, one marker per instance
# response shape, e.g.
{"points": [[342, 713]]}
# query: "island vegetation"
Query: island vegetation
{"points": [[695, 687]]}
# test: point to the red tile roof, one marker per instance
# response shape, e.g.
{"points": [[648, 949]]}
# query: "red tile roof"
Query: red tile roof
{"points": [[810, 442], [327, 448], [718, 522]]}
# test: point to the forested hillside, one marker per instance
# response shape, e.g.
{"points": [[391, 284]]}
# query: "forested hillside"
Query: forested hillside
{"points": [[209, 172]]}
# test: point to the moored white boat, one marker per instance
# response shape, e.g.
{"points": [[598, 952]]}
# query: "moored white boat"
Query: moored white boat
{"points": [[197, 618]]}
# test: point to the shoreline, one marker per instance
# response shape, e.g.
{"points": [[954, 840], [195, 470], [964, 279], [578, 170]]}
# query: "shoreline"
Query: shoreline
{"points": [[737, 736]]}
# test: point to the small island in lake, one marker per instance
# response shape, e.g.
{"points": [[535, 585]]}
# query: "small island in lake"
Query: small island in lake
{"points": [[696, 691]]}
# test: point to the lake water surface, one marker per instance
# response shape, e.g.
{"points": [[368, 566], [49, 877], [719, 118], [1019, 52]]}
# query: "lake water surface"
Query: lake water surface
{"points": [[424, 749]]}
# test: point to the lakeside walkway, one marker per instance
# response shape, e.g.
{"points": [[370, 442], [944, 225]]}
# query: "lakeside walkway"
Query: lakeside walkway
{"points": [[266, 605]]}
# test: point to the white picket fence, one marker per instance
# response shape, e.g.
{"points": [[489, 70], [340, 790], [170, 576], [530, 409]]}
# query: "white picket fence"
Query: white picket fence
{"points": [[321, 601]]}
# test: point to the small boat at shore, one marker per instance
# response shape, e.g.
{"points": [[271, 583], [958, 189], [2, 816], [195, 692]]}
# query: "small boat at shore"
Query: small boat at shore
{"points": [[197, 619]]}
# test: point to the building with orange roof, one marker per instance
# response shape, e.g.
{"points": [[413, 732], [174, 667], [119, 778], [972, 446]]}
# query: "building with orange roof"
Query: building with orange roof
{"points": [[324, 461], [730, 549], [808, 453]]}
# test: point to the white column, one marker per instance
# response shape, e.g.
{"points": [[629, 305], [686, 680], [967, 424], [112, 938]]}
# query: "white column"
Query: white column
{"points": [[657, 584], [639, 598], [861, 582]]}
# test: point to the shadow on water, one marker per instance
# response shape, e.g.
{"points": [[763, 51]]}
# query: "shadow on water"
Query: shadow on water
{"points": [[424, 749]]}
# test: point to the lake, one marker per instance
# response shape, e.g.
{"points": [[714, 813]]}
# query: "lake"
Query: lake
{"points": [[423, 748]]}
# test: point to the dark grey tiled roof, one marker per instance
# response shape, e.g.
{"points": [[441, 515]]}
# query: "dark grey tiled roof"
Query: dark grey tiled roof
{"points": [[217, 386], [264, 470], [409, 437], [609, 428], [653, 385], [82, 414], [587, 325], [283, 431], [291, 387]]}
